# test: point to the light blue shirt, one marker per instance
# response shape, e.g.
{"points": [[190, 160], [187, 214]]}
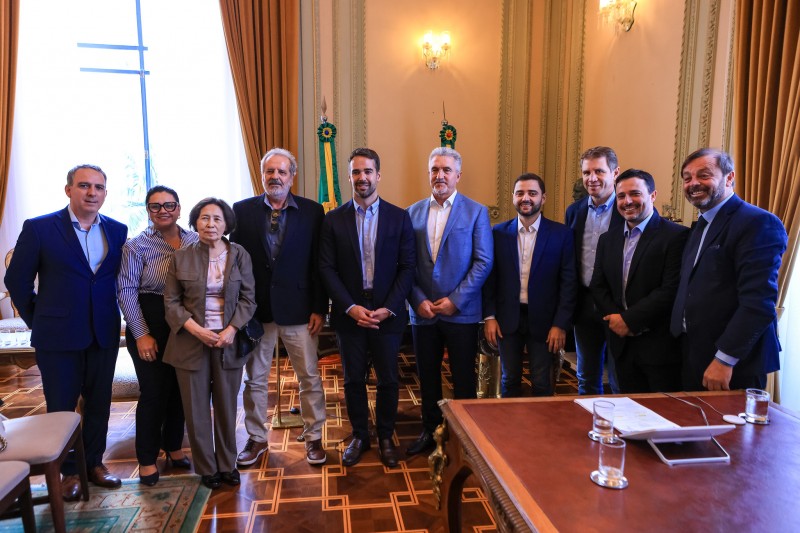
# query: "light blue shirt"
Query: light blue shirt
{"points": [[93, 241], [597, 221], [631, 241], [367, 226]]}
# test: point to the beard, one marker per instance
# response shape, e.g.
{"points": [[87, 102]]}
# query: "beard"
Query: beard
{"points": [[535, 208], [366, 193], [712, 198]]}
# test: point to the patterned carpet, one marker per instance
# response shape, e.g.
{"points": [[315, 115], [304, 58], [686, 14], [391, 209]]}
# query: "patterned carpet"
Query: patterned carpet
{"points": [[284, 493]]}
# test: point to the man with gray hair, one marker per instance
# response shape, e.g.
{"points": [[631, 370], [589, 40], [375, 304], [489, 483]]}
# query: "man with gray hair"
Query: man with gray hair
{"points": [[454, 258], [281, 233]]}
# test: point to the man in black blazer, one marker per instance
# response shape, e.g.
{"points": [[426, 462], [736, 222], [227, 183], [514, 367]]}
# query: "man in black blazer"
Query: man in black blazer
{"points": [[725, 307], [634, 283], [281, 231], [367, 261], [590, 218], [74, 317], [529, 298]]}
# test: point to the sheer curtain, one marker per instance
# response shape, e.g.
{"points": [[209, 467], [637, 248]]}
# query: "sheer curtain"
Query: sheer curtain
{"points": [[767, 125], [66, 116]]}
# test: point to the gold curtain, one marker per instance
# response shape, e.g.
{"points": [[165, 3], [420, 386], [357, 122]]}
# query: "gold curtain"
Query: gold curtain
{"points": [[767, 118], [9, 29], [264, 49]]}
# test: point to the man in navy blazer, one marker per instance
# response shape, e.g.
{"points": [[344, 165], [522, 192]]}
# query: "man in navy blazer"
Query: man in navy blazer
{"points": [[367, 261], [529, 298], [454, 258], [590, 218], [634, 284], [74, 317], [725, 307], [281, 232]]}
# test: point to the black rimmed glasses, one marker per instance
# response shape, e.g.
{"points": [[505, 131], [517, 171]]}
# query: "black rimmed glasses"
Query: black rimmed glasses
{"points": [[169, 207], [274, 219]]}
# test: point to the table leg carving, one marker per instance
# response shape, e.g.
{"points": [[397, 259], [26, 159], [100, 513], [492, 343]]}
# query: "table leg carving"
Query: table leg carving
{"points": [[437, 461]]}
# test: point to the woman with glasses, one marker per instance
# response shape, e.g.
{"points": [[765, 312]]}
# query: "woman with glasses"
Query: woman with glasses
{"points": [[145, 261], [209, 296]]}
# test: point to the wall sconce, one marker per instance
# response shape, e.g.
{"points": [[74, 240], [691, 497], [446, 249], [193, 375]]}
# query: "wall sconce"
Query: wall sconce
{"points": [[618, 12], [435, 48]]}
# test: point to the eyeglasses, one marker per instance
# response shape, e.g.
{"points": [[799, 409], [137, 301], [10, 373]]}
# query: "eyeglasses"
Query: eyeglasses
{"points": [[169, 207], [274, 218]]}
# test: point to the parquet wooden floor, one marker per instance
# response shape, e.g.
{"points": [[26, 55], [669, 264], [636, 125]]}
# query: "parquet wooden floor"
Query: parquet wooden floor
{"points": [[282, 492]]}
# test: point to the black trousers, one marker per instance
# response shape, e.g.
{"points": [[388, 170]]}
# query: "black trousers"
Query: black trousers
{"points": [[461, 341], [159, 413]]}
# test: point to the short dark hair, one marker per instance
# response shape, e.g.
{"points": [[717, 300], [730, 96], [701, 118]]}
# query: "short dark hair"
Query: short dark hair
{"points": [[160, 188], [723, 159], [641, 174], [73, 170], [531, 176], [227, 213], [601, 151], [369, 153]]}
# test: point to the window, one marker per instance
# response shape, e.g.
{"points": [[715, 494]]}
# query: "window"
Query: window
{"points": [[141, 88]]}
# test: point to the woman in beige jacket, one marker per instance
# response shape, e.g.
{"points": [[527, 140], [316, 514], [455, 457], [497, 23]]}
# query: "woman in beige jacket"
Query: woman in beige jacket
{"points": [[208, 296]]}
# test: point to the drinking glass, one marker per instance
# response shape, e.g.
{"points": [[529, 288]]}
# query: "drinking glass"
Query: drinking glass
{"points": [[602, 421]]}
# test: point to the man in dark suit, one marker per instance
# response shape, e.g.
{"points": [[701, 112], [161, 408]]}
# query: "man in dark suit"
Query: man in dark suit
{"points": [[367, 261], [454, 258], [634, 282], [590, 218], [74, 317], [281, 231], [725, 307], [529, 298]]}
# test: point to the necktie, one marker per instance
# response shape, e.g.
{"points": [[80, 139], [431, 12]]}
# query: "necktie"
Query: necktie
{"points": [[689, 260]]}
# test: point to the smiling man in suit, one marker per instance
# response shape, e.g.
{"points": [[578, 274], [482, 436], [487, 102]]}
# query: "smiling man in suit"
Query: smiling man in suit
{"points": [[590, 218], [454, 258], [634, 283], [74, 317], [529, 299], [367, 261], [724, 311], [281, 232]]}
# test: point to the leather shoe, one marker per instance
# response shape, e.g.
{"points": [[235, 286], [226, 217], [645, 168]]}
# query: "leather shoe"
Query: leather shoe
{"points": [[71, 488], [389, 455], [352, 455], [423, 443], [100, 476], [231, 478], [212, 481]]}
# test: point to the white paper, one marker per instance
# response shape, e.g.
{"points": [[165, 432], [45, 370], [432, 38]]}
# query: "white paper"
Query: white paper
{"points": [[630, 415]]}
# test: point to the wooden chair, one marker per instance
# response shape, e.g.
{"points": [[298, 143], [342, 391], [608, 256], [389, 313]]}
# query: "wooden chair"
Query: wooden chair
{"points": [[16, 488], [43, 441]]}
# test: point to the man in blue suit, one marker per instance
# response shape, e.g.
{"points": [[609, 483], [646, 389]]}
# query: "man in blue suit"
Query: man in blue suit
{"points": [[634, 284], [590, 218], [281, 232], [725, 307], [74, 318], [529, 298], [454, 258], [367, 261]]}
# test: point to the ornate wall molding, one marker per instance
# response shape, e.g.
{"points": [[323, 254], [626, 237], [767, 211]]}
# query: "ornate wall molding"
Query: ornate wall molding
{"points": [[695, 91], [310, 98], [350, 73], [514, 99]]}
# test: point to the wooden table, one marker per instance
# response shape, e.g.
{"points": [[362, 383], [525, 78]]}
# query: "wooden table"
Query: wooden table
{"points": [[533, 459]]}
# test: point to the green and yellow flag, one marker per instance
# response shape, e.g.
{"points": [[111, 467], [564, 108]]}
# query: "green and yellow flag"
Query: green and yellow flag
{"points": [[448, 133], [329, 195]]}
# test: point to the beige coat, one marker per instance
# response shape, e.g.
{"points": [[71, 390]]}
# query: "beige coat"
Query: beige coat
{"points": [[185, 297]]}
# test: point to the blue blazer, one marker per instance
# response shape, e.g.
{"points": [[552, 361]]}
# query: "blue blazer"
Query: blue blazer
{"points": [[650, 292], [552, 282], [395, 261], [289, 289], [732, 292], [73, 306], [463, 263], [575, 218]]}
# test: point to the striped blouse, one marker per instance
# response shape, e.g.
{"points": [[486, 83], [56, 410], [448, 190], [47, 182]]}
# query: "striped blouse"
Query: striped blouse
{"points": [[145, 262]]}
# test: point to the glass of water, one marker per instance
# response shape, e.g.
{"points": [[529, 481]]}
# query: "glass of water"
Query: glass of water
{"points": [[756, 407], [610, 471], [602, 421]]}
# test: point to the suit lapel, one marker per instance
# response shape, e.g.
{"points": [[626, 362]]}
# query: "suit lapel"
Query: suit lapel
{"points": [[644, 241], [382, 231], [511, 248], [542, 236], [67, 231], [259, 219], [352, 231], [452, 220], [616, 251]]}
